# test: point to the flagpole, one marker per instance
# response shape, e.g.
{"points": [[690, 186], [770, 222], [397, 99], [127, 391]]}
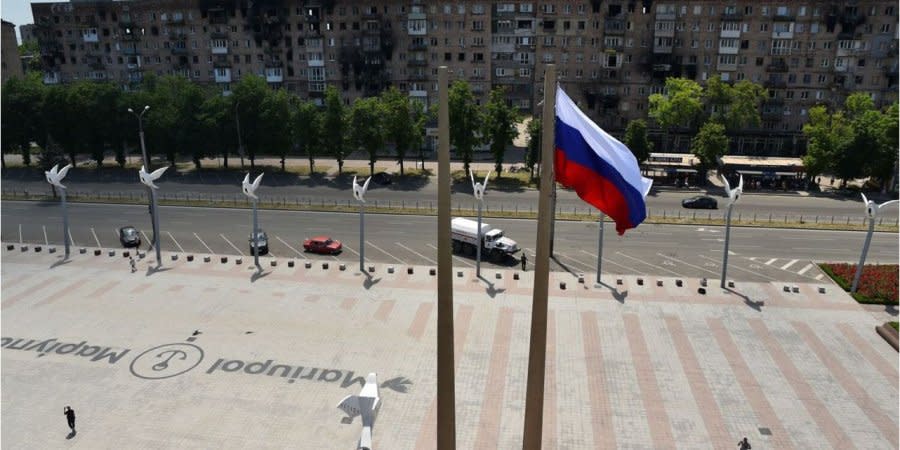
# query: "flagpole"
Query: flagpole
{"points": [[534, 396], [446, 395], [600, 246]]}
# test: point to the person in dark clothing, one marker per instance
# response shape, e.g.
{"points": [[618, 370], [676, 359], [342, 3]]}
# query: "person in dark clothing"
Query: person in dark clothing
{"points": [[744, 444], [70, 417], [524, 261]]}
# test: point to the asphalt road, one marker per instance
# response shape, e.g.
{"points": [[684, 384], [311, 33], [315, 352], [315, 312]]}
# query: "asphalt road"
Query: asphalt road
{"points": [[757, 254], [292, 188]]}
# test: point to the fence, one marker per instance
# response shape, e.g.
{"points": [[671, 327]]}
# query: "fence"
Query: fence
{"points": [[428, 207]]}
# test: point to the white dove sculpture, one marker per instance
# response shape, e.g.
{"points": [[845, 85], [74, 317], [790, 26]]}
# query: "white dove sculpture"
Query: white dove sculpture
{"points": [[360, 191], [872, 208], [55, 175], [734, 194], [250, 189], [478, 188], [149, 178]]}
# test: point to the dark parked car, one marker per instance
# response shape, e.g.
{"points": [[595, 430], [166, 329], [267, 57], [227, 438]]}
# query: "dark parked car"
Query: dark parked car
{"points": [[262, 239], [322, 244], [383, 178], [129, 237], [700, 202]]}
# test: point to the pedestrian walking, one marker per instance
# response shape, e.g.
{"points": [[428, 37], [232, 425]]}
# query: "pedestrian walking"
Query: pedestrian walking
{"points": [[70, 417], [133, 266], [524, 260], [744, 444]]}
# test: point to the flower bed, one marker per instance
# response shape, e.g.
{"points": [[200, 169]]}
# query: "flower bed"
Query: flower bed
{"points": [[878, 283]]}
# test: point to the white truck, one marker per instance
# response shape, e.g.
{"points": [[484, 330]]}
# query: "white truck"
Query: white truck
{"points": [[464, 233]]}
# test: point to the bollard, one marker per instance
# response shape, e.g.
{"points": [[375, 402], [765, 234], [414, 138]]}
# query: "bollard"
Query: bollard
{"points": [[126, 254], [821, 290], [459, 274], [207, 259], [307, 265], [581, 278], [516, 276], [796, 289], [37, 248], [190, 258], [371, 269], [82, 250], [678, 283], [432, 272], [618, 281], [409, 270], [10, 247], [174, 257], [342, 267], [273, 263], [223, 259], [238, 261], [390, 269], [324, 266], [731, 284], [562, 285], [291, 263], [52, 249], [24, 248], [659, 283], [787, 289], [701, 291], [112, 253], [703, 282], [640, 281], [498, 276]]}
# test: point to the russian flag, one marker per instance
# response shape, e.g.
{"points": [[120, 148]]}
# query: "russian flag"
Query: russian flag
{"points": [[601, 169]]}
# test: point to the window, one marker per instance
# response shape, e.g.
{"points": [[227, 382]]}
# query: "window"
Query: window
{"points": [[885, 28]]}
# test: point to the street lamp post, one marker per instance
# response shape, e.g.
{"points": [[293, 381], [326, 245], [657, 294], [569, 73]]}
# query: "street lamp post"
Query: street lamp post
{"points": [[359, 193], [733, 196], [55, 177], [147, 179], [250, 191], [146, 160], [478, 191], [872, 209]]}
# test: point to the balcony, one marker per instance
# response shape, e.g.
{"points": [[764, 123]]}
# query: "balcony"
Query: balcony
{"points": [[666, 15], [726, 67], [734, 16], [665, 48], [783, 34], [218, 16], [51, 77], [177, 19], [179, 50], [784, 18], [732, 34], [775, 84], [131, 51], [662, 67], [274, 75], [417, 47], [777, 66], [417, 77], [220, 50], [728, 50], [218, 35], [665, 32], [614, 27], [222, 64], [223, 75], [90, 35], [416, 62]]}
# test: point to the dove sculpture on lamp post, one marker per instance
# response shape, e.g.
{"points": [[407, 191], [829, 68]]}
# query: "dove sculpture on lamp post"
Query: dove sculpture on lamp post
{"points": [[55, 177], [733, 196], [147, 179], [359, 192], [478, 191], [872, 209], [249, 190]]}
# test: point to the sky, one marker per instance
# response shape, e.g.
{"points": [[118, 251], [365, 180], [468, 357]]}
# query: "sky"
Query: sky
{"points": [[17, 12]]}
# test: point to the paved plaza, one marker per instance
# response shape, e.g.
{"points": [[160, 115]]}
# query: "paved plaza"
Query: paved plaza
{"points": [[210, 355]]}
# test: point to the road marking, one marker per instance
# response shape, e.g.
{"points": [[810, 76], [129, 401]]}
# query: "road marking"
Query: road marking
{"points": [[386, 253], [791, 263], [649, 264], [147, 239], [805, 269], [819, 276], [607, 260], [176, 242], [47, 242], [745, 270], [417, 253], [294, 249], [204, 244], [457, 258], [769, 262], [688, 264], [20, 233], [95, 237], [232, 245], [71, 239], [590, 267]]}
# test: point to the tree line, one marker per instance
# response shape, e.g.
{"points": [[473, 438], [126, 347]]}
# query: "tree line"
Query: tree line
{"points": [[187, 120]]}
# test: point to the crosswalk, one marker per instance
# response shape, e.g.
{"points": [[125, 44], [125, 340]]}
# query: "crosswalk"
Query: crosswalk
{"points": [[788, 264]]}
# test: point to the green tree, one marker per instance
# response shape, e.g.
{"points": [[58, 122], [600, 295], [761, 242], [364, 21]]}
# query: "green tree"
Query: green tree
{"points": [[401, 121], [20, 115], [680, 105], [465, 120], [828, 136], [708, 145], [734, 106], [533, 151], [636, 140], [249, 95], [499, 126], [333, 126], [57, 114], [275, 121], [367, 128], [306, 130], [31, 49], [884, 164], [217, 127], [864, 153]]}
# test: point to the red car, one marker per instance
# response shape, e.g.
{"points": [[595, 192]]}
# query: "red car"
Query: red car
{"points": [[322, 244]]}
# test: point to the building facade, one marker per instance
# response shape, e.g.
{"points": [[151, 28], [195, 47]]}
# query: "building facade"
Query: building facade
{"points": [[610, 55], [10, 63]]}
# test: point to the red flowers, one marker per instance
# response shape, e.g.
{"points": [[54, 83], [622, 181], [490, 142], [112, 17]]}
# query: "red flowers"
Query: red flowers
{"points": [[878, 282]]}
